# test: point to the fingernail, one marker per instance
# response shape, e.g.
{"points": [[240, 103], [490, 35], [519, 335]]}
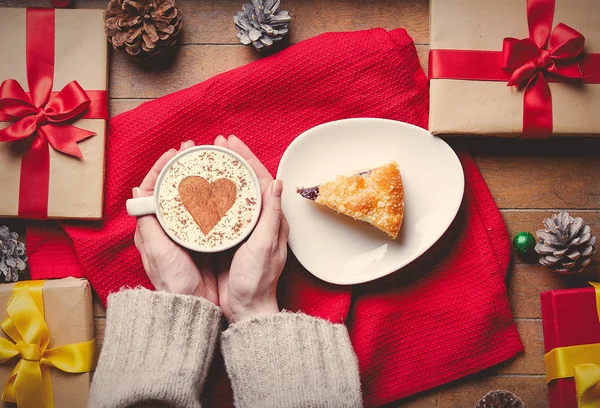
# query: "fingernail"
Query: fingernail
{"points": [[233, 137], [135, 192], [277, 187], [172, 151]]}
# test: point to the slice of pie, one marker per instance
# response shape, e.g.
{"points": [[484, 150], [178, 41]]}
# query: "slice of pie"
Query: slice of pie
{"points": [[375, 196]]}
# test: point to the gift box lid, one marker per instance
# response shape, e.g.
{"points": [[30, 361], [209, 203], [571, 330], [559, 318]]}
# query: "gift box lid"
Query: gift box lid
{"points": [[569, 317]]}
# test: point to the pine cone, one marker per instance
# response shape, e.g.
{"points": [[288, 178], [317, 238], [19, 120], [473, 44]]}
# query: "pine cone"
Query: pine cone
{"points": [[566, 245], [500, 399], [261, 23], [143, 28], [12, 255]]}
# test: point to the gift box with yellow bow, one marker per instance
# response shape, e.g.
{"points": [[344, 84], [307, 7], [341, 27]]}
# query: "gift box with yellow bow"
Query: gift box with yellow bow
{"points": [[53, 113], [514, 68], [47, 346], [571, 321]]}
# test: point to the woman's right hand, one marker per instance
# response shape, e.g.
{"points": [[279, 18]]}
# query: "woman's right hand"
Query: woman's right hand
{"points": [[170, 267], [248, 281]]}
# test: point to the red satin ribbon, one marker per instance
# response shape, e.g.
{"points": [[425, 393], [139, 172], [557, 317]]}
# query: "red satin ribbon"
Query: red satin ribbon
{"points": [[546, 56], [42, 117]]}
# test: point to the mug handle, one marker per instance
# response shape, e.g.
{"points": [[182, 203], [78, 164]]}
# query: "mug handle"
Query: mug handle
{"points": [[141, 206]]}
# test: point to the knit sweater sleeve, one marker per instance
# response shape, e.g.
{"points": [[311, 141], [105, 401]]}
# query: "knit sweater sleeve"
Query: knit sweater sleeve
{"points": [[291, 360], [157, 350]]}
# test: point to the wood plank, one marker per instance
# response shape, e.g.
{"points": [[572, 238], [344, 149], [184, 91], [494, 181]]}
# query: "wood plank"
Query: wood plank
{"points": [[99, 310], [531, 221], [129, 93], [530, 361], [428, 399], [467, 392], [423, 54], [556, 173], [310, 18], [99, 328], [526, 282], [211, 21], [191, 65], [537, 182], [117, 106]]}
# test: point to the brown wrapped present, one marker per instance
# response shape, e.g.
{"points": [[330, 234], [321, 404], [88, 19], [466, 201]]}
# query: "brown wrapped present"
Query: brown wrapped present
{"points": [[56, 339], [479, 47], [53, 112]]}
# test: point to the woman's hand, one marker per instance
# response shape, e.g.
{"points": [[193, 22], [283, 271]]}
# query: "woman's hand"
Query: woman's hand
{"points": [[169, 266], [248, 282]]}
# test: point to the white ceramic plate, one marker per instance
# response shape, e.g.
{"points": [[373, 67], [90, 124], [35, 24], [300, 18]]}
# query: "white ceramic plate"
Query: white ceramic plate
{"points": [[340, 250]]}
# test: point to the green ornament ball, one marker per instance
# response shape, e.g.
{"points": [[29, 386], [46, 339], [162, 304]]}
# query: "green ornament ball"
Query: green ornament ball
{"points": [[523, 242]]}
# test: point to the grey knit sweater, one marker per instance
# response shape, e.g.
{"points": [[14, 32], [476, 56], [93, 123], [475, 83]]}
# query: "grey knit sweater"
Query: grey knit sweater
{"points": [[159, 346]]}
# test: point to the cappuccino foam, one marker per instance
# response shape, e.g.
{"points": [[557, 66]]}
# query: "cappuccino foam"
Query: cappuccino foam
{"points": [[212, 166]]}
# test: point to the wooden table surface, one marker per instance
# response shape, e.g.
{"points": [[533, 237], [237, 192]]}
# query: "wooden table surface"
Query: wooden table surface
{"points": [[529, 181]]}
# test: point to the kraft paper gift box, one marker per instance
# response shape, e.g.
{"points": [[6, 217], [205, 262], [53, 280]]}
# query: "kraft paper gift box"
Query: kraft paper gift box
{"points": [[571, 325], [52, 184], [490, 107], [67, 305]]}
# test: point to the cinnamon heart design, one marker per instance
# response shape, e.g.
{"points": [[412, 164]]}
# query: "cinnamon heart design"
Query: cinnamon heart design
{"points": [[207, 202]]}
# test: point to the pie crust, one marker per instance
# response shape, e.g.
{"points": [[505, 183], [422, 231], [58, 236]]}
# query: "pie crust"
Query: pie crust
{"points": [[375, 196]]}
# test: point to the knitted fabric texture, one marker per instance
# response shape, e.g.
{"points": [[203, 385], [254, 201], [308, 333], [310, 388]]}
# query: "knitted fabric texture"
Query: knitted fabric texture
{"points": [[291, 360], [157, 347], [442, 317]]}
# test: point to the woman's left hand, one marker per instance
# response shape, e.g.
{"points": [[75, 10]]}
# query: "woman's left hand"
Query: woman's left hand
{"points": [[248, 280]]}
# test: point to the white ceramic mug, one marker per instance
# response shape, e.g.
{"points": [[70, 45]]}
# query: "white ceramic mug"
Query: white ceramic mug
{"points": [[150, 205]]}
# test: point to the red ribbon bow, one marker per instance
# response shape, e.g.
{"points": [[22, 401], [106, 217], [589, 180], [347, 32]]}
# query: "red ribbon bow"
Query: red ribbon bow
{"points": [[543, 52], [43, 116], [45, 120], [527, 60]]}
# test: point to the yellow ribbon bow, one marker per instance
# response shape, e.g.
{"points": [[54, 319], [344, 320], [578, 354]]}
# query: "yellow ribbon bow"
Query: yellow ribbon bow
{"points": [[29, 383], [580, 362]]}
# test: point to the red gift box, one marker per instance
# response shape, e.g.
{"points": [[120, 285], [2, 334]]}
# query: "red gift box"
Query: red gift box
{"points": [[53, 112], [570, 317], [546, 51]]}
